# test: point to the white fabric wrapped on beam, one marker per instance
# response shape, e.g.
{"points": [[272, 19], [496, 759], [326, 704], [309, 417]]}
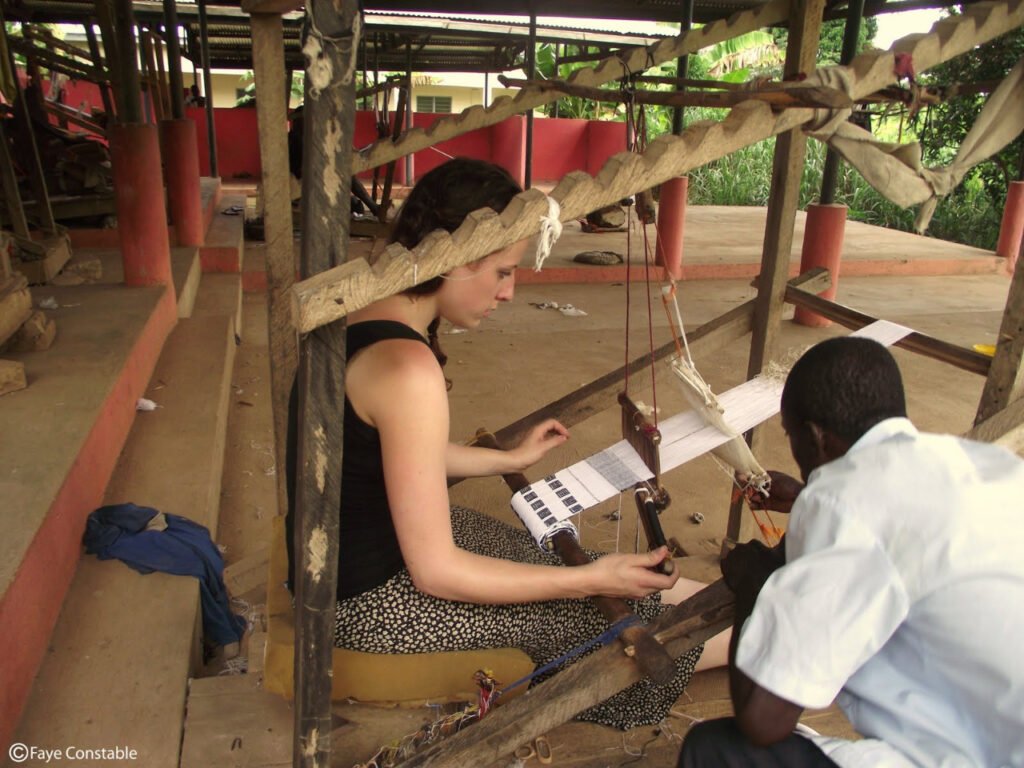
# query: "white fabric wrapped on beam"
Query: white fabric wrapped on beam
{"points": [[895, 170]]}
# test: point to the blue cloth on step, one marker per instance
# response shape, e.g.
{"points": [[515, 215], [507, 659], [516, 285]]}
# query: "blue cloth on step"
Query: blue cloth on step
{"points": [[118, 531]]}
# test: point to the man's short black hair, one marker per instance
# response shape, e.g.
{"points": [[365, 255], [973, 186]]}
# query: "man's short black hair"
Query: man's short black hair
{"points": [[845, 385]]}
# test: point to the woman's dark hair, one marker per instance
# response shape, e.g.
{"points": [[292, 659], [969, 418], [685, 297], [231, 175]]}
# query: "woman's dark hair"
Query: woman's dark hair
{"points": [[845, 385], [442, 199]]}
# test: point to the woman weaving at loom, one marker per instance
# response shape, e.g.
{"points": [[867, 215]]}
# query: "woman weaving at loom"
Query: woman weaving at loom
{"points": [[416, 576]]}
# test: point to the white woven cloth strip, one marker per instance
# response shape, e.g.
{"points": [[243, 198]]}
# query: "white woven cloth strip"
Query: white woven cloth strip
{"points": [[555, 499], [550, 231]]}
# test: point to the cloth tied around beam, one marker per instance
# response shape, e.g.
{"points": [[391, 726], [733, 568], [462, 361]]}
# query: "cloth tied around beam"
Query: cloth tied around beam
{"points": [[895, 170]]}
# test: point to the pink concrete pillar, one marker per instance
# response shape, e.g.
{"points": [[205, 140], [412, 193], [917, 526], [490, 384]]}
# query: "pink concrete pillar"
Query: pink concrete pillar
{"points": [[141, 213], [181, 164], [823, 246], [1011, 231], [668, 250]]}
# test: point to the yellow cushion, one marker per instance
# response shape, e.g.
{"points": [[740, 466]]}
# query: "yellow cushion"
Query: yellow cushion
{"points": [[408, 679]]}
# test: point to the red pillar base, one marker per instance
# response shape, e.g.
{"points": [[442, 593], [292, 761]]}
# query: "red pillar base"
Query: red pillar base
{"points": [[1011, 231], [181, 167], [668, 249], [141, 213], [823, 247]]}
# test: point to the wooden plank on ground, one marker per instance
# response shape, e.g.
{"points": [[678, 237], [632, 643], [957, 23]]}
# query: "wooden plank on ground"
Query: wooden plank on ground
{"points": [[12, 376], [248, 573], [15, 305]]}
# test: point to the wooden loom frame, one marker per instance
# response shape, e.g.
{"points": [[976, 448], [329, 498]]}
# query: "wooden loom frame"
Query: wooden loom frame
{"points": [[328, 295]]}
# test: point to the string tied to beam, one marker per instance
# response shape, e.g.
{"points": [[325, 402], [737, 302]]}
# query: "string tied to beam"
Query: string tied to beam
{"points": [[318, 64], [550, 231], [604, 638]]}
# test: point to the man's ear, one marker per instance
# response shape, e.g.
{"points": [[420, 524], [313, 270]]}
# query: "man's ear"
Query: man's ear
{"points": [[830, 446]]}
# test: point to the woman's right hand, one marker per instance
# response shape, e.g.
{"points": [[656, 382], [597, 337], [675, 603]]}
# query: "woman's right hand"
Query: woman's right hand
{"points": [[631, 576]]}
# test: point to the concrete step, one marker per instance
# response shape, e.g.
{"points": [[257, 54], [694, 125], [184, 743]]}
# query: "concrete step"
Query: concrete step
{"points": [[61, 439], [225, 237], [133, 640]]}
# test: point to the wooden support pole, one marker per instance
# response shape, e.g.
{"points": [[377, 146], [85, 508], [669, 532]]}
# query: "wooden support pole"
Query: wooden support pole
{"points": [[11, 193], [30, 161], [272, 117], [650, 657], [105, 20], [1005, 382], [329, 120], [589, 681], [161, 78], [1005, 427], [781, 96], [151, 81], [102, 71], [804, 31]]}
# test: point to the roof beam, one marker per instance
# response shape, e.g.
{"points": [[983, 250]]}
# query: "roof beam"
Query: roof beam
{"points": [[271, 6]]}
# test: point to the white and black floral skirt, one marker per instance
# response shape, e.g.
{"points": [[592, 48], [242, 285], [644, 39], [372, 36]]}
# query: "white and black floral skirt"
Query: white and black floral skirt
{"points": [[397, 618]]}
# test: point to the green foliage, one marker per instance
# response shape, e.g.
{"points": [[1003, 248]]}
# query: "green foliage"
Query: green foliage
{"points": [[943, 127], [830, 45], [744, 178]]}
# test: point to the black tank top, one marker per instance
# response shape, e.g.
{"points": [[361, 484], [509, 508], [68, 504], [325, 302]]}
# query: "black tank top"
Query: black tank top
{"points": [[368, 549]]}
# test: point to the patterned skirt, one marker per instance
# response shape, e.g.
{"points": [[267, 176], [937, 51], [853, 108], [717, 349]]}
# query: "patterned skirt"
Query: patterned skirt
{"points": [[397, 618]]}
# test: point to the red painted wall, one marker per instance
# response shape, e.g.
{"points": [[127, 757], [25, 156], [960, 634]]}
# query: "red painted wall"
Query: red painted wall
{"points": [[238, 141], [559, 146]]}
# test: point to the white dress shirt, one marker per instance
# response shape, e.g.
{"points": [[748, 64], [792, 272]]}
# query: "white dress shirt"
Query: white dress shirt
{"points": [[903, 600]]}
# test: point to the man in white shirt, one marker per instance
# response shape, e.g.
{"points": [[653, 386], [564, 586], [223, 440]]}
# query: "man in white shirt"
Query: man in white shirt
{"points": [[901, 594]]}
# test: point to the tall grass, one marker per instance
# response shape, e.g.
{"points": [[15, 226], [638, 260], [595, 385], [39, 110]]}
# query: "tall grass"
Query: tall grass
{"points": [[744, 178]]}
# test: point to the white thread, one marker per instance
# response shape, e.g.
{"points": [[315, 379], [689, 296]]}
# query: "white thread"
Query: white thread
{"points": [[550, 231]]}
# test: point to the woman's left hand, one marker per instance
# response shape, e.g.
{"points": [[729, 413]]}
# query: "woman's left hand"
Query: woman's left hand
{"points": [[537, 442]]}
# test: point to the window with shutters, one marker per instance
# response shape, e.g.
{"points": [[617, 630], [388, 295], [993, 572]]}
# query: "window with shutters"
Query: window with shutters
{"points": [[433, 103]]}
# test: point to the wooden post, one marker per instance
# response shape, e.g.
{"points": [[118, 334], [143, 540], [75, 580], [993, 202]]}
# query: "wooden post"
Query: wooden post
{"points": [[12, 195], [97, 61], [804, 31], [271, 113], [1005, 381], [37, 179], [531, 73], [326, 219]]}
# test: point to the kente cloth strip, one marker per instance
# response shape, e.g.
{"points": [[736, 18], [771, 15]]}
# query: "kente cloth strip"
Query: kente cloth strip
{"points": [[546, 505]]}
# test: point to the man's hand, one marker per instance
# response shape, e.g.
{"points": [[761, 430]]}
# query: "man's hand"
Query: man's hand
{"points": [[784, 490], [748, 567]]}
